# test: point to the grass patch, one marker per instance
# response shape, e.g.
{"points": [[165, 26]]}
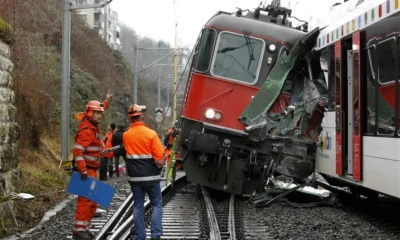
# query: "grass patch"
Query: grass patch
{"points": [[40, 177]]}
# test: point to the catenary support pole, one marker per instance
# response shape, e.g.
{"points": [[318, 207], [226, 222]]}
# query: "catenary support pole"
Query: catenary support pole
{"points": [[66, 41], [158, 78], [66, 69], [176, 66], [135, 73]]}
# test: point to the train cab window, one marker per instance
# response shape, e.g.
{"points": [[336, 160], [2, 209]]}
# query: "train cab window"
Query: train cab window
{"points": [[386, 59], [205, 50], [238, 57]]}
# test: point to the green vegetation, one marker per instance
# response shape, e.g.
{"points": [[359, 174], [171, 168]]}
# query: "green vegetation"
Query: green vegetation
{"points": [[5, 32], [36, 36], [36, 54]]}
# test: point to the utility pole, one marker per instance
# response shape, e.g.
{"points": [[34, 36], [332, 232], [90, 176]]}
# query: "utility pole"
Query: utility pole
{"points": [[176, 65], [135, 73], [66, 70], [158, 77]]}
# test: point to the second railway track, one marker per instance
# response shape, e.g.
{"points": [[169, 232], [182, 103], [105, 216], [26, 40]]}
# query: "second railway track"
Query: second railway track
{"points": [[192, 212]]}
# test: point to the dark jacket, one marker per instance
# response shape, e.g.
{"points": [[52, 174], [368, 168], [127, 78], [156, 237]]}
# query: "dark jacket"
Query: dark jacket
{"points": [[117, 140]]}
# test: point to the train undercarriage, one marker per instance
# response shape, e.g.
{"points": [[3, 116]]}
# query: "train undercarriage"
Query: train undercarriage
{"points": [[233, 163]]}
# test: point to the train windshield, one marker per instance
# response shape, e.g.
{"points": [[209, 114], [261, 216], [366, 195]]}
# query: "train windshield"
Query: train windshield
{"points": [[238, 57]]}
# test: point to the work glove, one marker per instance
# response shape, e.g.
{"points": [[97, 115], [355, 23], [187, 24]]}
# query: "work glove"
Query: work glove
{"points": [[84, 176], [109, 95]]}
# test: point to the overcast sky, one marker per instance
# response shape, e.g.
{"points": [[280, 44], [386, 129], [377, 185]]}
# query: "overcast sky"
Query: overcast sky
{"points": [[156, 18]]}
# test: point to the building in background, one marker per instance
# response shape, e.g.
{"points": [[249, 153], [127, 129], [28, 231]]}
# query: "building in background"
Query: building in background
{"points": [[103, 20]]}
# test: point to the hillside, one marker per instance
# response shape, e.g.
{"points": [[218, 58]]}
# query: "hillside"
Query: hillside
{"points": [[95, 69]]}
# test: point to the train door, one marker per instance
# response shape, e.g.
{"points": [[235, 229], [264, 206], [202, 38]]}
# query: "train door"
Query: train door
{"points": [[349, 113], [347, 89], [356, 107], [339, 107]]}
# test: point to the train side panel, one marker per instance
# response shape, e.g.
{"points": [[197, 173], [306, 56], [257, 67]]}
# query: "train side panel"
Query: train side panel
{"points": [[381, 160]]}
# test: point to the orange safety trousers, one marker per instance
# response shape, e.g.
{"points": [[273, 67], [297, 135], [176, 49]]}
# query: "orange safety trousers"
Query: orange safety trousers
{"points": [[85, 209]]}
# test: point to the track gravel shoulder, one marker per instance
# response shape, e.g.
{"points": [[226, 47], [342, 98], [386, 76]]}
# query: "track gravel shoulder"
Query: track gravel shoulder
{"points": [[280, 221], [60, 225]]}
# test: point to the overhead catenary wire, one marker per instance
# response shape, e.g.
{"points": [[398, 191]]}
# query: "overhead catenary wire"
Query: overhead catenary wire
{"points": [[175, 91]]}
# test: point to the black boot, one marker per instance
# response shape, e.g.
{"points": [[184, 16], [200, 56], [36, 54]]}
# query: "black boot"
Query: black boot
{"points": [[110, 173], [103, 169], [81, 236]]}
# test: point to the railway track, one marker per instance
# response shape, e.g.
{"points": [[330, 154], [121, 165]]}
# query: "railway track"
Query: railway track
{"points": [[188, 213], [101, 219], [192, 212]]}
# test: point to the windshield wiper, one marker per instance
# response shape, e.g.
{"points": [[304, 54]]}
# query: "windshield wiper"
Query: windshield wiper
{"points": [[250, 47]]}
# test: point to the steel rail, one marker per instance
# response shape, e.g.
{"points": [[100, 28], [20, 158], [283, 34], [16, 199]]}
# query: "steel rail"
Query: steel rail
{"points": [[215, 233], [123, 231], [231, 220], [114, 219]]}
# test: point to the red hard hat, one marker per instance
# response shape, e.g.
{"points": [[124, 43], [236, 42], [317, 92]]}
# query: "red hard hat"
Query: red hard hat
{"points": [[134, 110], [94, 106]]}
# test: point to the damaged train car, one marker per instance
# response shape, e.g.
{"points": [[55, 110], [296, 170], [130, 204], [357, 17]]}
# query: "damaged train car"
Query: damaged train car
{"points": [[254, 101]]}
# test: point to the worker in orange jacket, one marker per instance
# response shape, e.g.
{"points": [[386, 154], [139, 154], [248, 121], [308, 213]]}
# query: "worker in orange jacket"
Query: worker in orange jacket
{"points": [[144, 161], [87, 150], [169, 142], [107, 158]]}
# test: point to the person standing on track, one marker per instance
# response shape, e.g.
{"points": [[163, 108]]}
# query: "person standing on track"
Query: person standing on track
{"points": [[87, 150], [144, 161], [169, 139], [107, 159]]}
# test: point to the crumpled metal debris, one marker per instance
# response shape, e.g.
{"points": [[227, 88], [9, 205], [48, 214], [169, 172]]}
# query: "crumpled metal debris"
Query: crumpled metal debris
{"points": [[305, 97]]}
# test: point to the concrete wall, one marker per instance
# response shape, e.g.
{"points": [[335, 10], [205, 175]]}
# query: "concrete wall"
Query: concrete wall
{"points": [[9, 129]]}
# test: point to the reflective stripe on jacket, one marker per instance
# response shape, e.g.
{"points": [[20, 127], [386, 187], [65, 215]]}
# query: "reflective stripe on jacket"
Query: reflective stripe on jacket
{"points": [[88, 146], [144, 153]]}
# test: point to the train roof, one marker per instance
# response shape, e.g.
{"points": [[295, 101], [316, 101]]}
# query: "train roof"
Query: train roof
{"points": [[257, 28], [354, 17]]}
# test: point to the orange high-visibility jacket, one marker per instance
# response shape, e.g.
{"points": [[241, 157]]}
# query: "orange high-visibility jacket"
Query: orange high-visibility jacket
{"points": [[88, 145], [108, 144], [144, 153]]}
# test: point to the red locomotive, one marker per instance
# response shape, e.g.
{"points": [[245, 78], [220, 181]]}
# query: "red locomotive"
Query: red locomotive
{"points": [[232, 59]]}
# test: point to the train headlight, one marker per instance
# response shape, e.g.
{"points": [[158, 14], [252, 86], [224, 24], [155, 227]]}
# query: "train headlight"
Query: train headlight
{"points": [[272, 47], [210, 113], [213, 114]]}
